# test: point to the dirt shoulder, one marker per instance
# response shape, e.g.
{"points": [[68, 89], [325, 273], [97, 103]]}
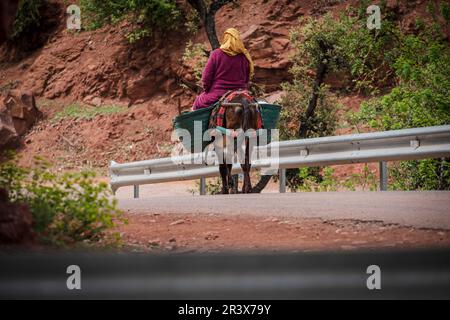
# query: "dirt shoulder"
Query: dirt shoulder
{"points": [[211, 233]]}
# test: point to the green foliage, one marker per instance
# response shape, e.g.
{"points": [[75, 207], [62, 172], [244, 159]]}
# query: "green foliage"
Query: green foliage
{"points": [[371, 60], [307, 41], [193, 22], [27, 18], [194, 56], [359, 56], [421, 99], [67, 208], [295, 102], [213, 186], [419, 65], [445, 11], [431, 174], [324, 180], [352, 50], [146, 16], [314, 182], [324, 122], [366, 180], [77, 111]]}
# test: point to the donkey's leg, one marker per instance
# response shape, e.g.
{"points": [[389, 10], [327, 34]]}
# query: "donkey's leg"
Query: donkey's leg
{"points": [[232, 184], [224, 175], [247, 187]]}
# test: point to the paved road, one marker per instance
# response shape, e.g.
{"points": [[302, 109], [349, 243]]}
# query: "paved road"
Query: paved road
{"points": [[417, 209]]}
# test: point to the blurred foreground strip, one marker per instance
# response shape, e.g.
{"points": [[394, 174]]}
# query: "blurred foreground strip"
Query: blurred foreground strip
{"points": [[404, 275]]}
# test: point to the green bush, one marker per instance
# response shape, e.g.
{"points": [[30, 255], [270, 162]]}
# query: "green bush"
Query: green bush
{"points": [[360, 56], [420, 99], [213, 186], [307, 55], [67, 208], [27, 18], [357, 55], [324, 180], [295, 101], [146, 16], [413, 67]]}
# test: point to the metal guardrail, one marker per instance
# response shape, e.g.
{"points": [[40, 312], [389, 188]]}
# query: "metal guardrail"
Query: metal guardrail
{"points": [[406, 144]]}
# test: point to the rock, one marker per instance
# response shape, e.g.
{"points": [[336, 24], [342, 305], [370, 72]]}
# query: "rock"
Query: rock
{"points": [[177, 222], [93, 101], [97, 102], [18, 113], [358, 243], [171, 248], [252, 32], [280, 44], [15, 222], [211, 236], [8, 135], [21, 106], [154, 243]]}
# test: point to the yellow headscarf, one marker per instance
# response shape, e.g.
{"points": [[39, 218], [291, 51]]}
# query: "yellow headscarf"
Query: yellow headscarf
{"points": [[232, 45]]}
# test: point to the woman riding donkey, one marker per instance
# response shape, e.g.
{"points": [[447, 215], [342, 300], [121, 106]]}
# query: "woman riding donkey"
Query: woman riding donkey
{"points": [[226, 78]]}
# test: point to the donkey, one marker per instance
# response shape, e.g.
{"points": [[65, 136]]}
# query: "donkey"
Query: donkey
{"points": [[239, 116]]}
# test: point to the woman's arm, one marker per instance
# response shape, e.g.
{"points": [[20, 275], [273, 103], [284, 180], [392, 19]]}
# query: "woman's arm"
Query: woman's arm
{"points": [[209, 72]]}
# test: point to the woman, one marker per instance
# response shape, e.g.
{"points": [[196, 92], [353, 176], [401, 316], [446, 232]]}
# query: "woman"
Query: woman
{"points": [[228, 68]]}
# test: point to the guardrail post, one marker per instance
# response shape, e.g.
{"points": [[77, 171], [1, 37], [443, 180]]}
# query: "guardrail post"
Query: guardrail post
{"points": [[282, 173], [136, 191], [202, 186], [383, 176]]}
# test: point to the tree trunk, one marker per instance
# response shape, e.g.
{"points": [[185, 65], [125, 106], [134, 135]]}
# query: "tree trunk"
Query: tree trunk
{"points": [[210, 28], [304, 123], [208, 16], [321, 71]]}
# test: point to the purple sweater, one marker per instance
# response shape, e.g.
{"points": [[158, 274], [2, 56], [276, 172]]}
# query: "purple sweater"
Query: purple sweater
{"points": [[222, 73]]}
